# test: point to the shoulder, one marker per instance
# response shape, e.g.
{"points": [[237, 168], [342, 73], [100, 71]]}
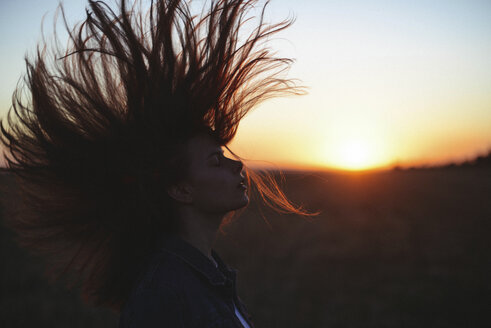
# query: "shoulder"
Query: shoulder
{"points": [[167, 275], [153, 308], [165, 272], [162, 294], [154, 299], [180, 287]]}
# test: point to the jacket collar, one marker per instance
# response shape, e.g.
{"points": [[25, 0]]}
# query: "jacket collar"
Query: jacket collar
{"points": [[192, 256]]}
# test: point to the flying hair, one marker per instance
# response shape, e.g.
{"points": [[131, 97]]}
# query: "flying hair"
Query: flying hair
{"points": [[96, 129]]}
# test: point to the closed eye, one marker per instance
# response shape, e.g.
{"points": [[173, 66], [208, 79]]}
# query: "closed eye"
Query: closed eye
{"points": [[217, 160], [216, 157]]}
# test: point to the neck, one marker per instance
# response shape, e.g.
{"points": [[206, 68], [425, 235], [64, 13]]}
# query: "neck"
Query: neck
{"points": [[199, 229]]}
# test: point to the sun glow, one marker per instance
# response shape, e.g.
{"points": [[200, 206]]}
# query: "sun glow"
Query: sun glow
{"points": [[354, 154], [357, 154]]}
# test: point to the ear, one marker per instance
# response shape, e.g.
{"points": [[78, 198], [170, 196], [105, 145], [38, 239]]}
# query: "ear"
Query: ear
{"points": [[180, 192]]}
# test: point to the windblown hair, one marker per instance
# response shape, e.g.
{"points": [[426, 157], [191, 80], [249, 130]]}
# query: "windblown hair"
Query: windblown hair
{"points": [[102, 126]]}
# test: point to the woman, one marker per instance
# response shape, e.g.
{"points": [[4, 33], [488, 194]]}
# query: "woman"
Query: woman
{"points": [[117, 146], [181, 287]]}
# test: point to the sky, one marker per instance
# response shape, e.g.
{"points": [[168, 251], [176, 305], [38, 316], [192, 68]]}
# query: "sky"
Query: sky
{"points": [[389, 82]]}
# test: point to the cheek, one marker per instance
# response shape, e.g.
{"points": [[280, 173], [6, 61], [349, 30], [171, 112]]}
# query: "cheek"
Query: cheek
{"points": [[209, 186], [215, 193]]}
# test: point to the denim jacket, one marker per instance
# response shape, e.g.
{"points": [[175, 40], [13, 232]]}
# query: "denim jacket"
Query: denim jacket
{"points": [[181, 287]]}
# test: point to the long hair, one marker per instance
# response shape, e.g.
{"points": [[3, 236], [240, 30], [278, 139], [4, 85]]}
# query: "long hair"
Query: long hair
{"points": [[96, 131]]}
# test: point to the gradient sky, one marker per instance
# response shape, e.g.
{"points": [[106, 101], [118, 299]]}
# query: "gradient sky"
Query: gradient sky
{"points": [[405, 82]]}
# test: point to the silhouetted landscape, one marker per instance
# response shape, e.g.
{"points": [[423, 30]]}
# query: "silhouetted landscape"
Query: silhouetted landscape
{"points": [[400, 248], [477, 162]]}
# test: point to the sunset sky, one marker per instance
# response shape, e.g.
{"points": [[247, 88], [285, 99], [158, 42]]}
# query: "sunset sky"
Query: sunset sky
{"points": [[390, 82]]}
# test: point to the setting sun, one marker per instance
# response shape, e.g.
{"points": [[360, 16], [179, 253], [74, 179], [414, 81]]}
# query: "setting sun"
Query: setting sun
{"points": [[358, 152], [354, 154]]}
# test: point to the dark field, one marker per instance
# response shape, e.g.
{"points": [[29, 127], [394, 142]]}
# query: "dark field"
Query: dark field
{"points": [[391, 249]]}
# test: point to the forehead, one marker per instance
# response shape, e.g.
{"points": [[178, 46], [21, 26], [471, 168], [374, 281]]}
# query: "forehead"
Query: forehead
{"points": [[201, 146]]}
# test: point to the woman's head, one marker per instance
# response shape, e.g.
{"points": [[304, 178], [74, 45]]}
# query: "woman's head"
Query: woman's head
{"points": [[213, 183], [101, 130]]}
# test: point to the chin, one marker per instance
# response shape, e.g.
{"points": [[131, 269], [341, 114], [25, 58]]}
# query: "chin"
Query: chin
{"points": [[243, 202], [246, 201]]}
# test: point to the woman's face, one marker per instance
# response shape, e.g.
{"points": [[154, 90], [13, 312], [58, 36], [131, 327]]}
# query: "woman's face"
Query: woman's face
{"points": [[215, 182]]}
